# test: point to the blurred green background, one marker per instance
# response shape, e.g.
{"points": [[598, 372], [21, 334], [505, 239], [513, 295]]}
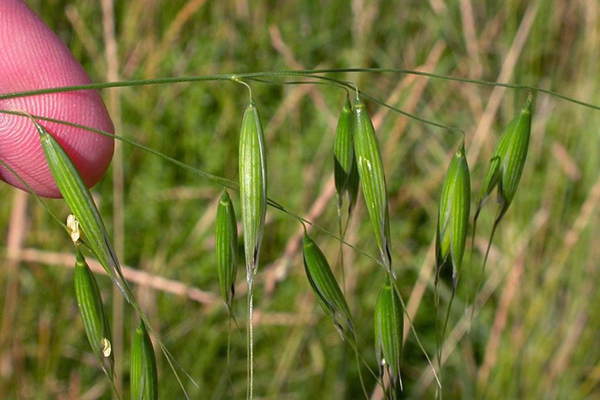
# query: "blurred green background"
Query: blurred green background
{"points": [[537, 335]]}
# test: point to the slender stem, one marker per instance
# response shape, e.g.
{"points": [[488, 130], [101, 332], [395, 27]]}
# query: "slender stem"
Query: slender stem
{"points": [[313, 72], [237, 80], [352, 342], [497, 220], [452, 78], [229, 328], [250, 342], [452, 296], [436, 295], [412, 116], [360, 377], [349, 85]]}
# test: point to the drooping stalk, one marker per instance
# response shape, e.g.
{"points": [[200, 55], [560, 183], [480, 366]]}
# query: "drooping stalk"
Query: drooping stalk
{"points": [[253, 196]]}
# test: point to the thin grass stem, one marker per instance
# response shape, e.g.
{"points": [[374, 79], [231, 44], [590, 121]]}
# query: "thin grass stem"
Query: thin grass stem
{"points": [[309, 72]]}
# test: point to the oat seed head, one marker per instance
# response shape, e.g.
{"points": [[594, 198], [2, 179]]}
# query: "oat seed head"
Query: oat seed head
{"points": [[326, 288], [372, 180]]}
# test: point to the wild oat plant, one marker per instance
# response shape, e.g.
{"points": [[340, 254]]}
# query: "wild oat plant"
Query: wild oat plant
{"points": [[282, 349]]}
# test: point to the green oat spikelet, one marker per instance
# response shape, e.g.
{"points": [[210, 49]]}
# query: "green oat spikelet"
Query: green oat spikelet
{"points": [[79, 200], [453, 216], [504, 173], [344, 163], [345, 172], [253, 185], [144, 377], [372, 180], [330, 296], [451, 232], [226, 244], [506, 167], [389, 327], [326, 288], [91, 309], [508, 159]]}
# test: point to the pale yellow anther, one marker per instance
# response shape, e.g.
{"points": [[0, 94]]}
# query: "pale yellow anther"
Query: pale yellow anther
{"points": [[73, 225], [106, 347]]}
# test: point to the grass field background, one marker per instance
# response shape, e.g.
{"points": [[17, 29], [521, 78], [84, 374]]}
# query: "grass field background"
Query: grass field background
{"points": [[536, 336]]}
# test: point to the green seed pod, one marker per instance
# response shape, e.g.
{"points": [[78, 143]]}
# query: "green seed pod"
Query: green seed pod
{"points": [[453, 216], [226, 244], [325, 286], [92, 313], [372, 178], [344, 163], [389, 327], [144, 378], [253, 185], [80, 201], [504, 172], [508, 159]]}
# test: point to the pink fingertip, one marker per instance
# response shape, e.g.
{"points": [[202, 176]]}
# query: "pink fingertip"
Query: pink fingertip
{"points": [[33, 57]]}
